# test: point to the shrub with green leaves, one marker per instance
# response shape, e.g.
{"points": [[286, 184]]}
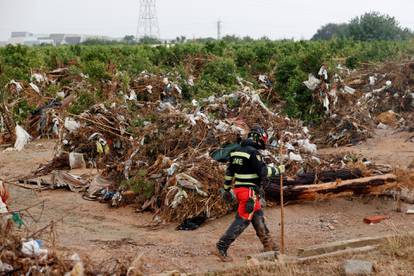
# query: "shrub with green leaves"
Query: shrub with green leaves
{"points": [[215, 65], [84, 100]]}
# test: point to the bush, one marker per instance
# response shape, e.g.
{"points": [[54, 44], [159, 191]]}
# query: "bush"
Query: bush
{"points": [[96, 70], [215, 65], [84, 100], [221, 71]]}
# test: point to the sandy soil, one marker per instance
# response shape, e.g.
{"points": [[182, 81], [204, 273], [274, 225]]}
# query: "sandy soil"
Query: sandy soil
{"points": [[101, 233], [385, 147]]}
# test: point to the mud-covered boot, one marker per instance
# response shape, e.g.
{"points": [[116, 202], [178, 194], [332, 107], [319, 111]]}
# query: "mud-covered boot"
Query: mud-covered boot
{"points": [[269, 245], [223, 255]]}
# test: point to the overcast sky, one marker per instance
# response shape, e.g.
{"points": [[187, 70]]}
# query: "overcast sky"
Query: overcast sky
{"points": [[192, 18]]}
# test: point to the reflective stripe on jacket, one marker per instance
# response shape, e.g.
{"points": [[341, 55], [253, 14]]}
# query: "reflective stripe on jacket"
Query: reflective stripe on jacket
{"points": [[246, 167]]}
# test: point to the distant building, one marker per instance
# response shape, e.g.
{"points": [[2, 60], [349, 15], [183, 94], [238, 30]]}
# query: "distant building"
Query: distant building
{"points": [[57, 38], [22, 38], [21, 34], [73, 39], [26, 38]]}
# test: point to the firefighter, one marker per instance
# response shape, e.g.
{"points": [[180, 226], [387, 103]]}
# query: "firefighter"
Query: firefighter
{"points": [[246, 168]]}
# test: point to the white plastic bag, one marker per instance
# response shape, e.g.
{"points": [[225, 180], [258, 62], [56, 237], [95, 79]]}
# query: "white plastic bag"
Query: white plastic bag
{"points": [[133, 96], [33, 248], [17, 84], [4, 268], [295, 157], [22, 138], [38, 77], [71, 124], [76, 161], [35, 88], [323, 72], [312, 82], [349, 90], [308, 146]]}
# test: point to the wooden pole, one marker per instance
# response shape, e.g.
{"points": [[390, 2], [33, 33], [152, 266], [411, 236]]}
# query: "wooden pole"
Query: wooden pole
{"points": [[282, 211]]}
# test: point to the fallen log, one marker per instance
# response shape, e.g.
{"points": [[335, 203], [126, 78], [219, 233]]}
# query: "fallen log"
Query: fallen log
{"points": [[373, 185], [316, 178], [325, 176]]}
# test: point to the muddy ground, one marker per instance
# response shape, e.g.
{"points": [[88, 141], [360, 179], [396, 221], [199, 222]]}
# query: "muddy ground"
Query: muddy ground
{"points": [[103, 234]]}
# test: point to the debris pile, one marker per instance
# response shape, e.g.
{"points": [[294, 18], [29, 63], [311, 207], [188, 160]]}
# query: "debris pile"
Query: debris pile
{"points": [[358, 101], [28, 251], [153, 149], [160, 152], [27, 256]]}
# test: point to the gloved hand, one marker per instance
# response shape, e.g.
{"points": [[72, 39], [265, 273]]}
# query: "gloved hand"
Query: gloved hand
{"points": [[250, 205], [227, 195], [281, 169]]}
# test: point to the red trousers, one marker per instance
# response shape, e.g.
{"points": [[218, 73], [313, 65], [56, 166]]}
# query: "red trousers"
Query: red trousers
{"points": [[243, 194]]}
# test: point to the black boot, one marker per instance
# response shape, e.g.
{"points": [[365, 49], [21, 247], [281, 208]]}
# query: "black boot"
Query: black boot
{"points": [[223, 255], [234, 230], [263, 232]]}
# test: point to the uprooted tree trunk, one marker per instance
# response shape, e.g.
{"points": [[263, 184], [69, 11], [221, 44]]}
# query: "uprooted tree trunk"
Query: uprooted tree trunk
{"points": [[372, 185], [315, 178], [325, 176], [8, 122]]}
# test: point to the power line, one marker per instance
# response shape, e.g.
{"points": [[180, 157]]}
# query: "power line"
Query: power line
{"points": [[148, 20]]}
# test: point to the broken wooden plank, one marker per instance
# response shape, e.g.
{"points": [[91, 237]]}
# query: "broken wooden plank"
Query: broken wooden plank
{"points": [[264, 256], [361, 186], [342, 245], [347, 251]]}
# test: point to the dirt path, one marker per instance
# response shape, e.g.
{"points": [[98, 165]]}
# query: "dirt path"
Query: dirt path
{"points": [[386, 147], [101, 233]]}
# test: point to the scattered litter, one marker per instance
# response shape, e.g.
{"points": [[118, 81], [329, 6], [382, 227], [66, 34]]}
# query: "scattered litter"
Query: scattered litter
{"points": [[76, 161], [387, 118], [60, 95], [307, 146], [22, 138], [312, 83], [382, 126], [71, 124], [134, 144], [188, 182], [349, 90], [38, 78], [5, 268], [33, 248], [323, 72], [17, 85], [295, 157], [192, 223], [35, 88], [375, 219], [74, 183]]}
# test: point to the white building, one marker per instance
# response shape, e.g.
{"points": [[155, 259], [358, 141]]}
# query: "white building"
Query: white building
{"points": [[22, 38], [26, 38]]}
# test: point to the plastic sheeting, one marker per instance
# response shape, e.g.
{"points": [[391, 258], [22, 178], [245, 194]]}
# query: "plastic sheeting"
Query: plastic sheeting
{"points": [[71, 124], [312, 82], [22, 138]]}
